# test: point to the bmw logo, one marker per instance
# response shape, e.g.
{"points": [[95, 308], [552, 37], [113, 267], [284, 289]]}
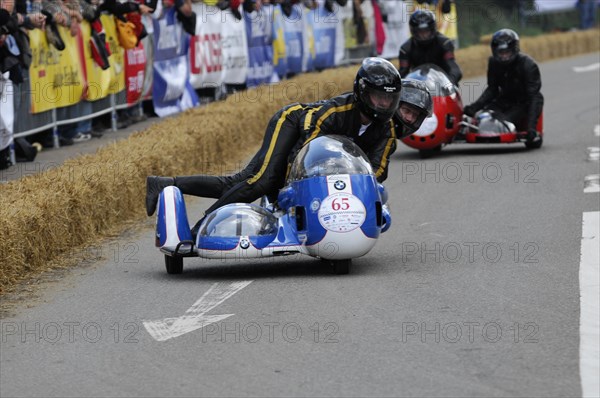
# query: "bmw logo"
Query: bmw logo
{"points": [[244, 243], [339, 185]]}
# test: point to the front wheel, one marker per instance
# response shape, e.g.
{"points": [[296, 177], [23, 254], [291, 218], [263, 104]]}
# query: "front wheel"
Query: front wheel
{"points": [[174, 265], [427, 153], [341, 267]]}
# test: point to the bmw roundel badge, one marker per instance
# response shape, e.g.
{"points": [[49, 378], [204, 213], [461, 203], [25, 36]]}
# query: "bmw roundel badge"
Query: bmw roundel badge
{"points": [[339, 185], [244, 243]]}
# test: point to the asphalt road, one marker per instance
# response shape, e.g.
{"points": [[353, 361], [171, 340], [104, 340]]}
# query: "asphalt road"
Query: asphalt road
{"points": [[473, 292]]}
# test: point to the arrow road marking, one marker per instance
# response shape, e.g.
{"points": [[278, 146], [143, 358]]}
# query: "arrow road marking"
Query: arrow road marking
{"points": [[195, 317], [588, 68]]}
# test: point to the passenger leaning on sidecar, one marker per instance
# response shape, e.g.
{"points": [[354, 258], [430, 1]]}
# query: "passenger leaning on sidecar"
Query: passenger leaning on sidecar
{"points": [[428, 46], [363, 115], [513, 85]]}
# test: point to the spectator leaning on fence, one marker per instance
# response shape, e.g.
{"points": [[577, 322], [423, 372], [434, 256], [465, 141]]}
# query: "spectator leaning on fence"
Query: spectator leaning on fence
{"points": [[15, 59]]}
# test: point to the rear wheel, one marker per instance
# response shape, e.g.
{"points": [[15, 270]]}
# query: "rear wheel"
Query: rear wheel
{"points": [[173, 264], [534, 144]]}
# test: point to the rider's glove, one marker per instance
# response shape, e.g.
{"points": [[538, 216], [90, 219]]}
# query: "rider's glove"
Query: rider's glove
{"points": [[469, 110]]}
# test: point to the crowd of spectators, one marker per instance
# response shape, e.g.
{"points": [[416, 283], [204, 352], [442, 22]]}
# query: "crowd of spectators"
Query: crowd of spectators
{"points": [[19, 16]]}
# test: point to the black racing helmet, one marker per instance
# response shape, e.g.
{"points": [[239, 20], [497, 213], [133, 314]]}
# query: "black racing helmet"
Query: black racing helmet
{"points": [[377, 89], [415, 94], [423, 21], [505, 45]]}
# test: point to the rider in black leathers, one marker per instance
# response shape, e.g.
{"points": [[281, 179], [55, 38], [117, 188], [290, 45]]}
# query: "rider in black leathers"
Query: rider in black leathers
{"points": [[363, 115], [513, 84], [428, 46]]}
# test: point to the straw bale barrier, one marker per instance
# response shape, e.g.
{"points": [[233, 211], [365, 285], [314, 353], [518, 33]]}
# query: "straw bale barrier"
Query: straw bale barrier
{"points": [[44, 217]]}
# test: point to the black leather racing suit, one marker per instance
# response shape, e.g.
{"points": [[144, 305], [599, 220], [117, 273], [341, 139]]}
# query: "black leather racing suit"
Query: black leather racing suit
{"points": [[440, 52], [264, 174], [513, 91]]}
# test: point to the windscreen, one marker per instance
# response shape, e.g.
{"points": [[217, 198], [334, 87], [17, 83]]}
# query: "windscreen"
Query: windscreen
{"points": [[435, 78], [329, 155], [239, 220]]}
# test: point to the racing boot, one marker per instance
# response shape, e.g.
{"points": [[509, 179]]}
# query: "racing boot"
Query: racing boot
{"points": [[533, 136], [154, 186]]}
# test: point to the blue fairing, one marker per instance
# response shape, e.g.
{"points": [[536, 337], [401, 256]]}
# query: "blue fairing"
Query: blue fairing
{"points": [[315, 189], [169, 213], [230, 243]]}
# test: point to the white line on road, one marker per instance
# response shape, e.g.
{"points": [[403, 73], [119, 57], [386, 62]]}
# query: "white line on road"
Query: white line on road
{"points": [[597, 130], [588, 68], [195, 317], [591, 184], [593, 153], [589, 319]]}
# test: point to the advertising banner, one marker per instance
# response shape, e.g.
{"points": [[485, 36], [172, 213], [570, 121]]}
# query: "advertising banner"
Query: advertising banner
{"points": [[172, 92], [206, 48], [57, 77], [259, 31]]}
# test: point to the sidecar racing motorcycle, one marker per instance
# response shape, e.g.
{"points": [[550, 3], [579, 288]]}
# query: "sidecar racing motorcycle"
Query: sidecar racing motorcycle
{"points": [[332, 208], [448, 125]]}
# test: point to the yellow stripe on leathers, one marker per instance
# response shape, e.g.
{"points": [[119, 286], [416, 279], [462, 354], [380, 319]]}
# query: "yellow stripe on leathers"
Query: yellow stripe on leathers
{"points": [[315, 133], [309, 116], [272, 144], [387, 150]]}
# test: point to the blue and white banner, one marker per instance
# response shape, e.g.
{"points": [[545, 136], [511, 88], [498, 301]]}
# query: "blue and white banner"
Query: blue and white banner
{"points": [[259, 31], [293, 25], [279, 47], [308, 41], [324, 31], [172, 91]]}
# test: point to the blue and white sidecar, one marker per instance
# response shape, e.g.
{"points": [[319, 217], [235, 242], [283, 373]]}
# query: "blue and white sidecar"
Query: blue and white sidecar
{"points": [[332, 207]]}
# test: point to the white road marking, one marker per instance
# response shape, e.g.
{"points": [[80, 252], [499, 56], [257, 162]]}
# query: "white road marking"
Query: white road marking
{"points": [[589, 320], [597, 130], [195, 317], [588, 68], [591, 184], [593, 153]]}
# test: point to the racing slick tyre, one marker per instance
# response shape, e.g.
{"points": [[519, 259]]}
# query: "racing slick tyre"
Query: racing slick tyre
{"points": [[427, 153], [341, 267], [174, 265], [535, 144]]}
